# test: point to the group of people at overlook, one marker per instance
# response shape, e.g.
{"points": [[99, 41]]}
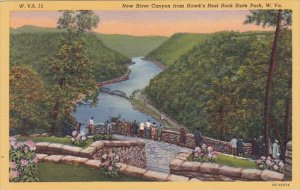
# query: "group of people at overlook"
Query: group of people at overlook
{"points": [[153, 131]]}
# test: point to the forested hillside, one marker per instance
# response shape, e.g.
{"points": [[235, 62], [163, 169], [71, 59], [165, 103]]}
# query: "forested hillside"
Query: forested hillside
{"points": [[177, 45], [37, 46], [220, 84], [132, 46]]}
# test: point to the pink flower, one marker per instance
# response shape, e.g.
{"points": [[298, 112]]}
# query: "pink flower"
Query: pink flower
{"points": [[106, 163], [110, 168], [269, 163], [209, 149], [35, 160], [209, 155], [258, 161], [12, 165], [281, 164], [204, 146], [214, 153], [13, 174], [74, 133], [24, 162], [31, 145], [12, 139], [263, 158], [104, 156], [25, 149], [197, 149]]}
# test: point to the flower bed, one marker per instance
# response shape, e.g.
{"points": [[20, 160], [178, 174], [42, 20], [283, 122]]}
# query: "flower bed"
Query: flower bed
{"points": [[23, 160], [270, 164], [204, 154], [207, 154]]}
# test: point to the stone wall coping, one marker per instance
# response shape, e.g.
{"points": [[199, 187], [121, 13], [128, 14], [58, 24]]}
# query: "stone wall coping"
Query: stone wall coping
{"points": [[178, 165], [204, 137], [62, 149], [123, 168]]}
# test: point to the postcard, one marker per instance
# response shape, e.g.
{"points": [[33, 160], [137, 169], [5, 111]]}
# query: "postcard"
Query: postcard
{"points": [[191, 94]]}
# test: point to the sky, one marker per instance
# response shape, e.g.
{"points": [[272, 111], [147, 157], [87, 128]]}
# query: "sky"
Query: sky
{"points": [[141, 23]]}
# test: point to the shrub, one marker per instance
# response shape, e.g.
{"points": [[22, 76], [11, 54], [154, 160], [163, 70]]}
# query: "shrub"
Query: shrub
{"points": [[109, 162], [23, 161], [79, 139], [270, 164], [204, 154], [98, 137]]}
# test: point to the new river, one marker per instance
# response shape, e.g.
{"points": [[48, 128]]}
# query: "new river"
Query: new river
{"points": [[112, 106]]}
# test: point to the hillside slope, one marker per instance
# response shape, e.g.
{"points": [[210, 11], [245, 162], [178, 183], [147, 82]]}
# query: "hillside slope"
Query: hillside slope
{"points": [[177, 45], [37, 46], [220, 84], [132, 46]]}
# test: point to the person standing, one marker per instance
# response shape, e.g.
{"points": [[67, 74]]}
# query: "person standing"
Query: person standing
{"points": [[91, 126], [198, 137], [239, 147], [276, 150], [153, 131], [261, 146], [109, 129], [78, 129], [270, 151], [233, 144], [254, 147], [148, 129], [134, 128], [159, 132], [182, 137], [141, 129], [129, 129], [123, 127]]}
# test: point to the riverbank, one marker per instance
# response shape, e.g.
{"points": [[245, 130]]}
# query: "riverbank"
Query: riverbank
{"points": [[159, 64], [139, 102], [115, 80]]}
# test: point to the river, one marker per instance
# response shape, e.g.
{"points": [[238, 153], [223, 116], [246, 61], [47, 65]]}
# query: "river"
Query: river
{"points": [[112, 106]]}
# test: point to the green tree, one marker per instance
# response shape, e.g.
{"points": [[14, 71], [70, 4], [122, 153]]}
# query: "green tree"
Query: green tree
{"points": [[71, 75], [277, 19], [28, 99]]}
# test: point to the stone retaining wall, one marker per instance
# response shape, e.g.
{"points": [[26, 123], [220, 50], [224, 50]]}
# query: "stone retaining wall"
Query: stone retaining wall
{"points": [[220, 146], [288, 162], [123, 168], [215, 172], [130, 152]]}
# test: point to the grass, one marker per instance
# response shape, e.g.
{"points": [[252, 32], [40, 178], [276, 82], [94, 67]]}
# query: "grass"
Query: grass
{"points": [[176, 46], [132, 46], [52, 172], [232, 161], [61, 140]]}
